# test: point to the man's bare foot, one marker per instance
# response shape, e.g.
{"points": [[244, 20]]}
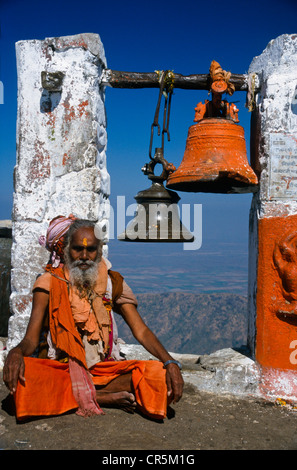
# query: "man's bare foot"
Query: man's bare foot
{"points": [[124, 400]]}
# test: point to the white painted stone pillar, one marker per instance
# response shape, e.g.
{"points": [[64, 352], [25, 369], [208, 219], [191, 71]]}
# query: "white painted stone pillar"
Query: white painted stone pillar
{"points": [[61, 161], [273, 219]]}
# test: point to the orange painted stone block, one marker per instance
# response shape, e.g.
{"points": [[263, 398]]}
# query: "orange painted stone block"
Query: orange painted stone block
{"points": [[276, 324]]}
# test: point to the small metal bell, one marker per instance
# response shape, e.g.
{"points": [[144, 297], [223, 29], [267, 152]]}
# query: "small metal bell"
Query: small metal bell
{"points": [[156, 218]]}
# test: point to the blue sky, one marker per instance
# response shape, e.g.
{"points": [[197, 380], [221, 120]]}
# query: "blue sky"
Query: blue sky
{"points": [[183, 36]]}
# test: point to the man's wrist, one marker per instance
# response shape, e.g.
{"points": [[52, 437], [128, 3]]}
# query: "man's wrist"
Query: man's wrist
{"points": [[17, 349], [172, 361]]}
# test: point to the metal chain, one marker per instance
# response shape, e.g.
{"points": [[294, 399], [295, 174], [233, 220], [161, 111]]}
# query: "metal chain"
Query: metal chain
{"points": [[166, 81]]}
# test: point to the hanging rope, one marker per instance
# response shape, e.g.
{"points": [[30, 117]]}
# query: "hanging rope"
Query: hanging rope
{"points": [[250, 98]]}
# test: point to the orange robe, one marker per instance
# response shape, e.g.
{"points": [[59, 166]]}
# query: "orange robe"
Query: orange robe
{"points": [[47, 389]]}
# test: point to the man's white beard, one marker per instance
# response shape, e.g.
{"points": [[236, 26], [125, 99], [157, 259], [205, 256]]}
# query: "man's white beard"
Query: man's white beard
{"points": [[83, 278]]}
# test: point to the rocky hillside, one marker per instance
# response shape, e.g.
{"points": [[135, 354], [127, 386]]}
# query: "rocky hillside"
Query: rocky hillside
{"points": [[193, 323]]}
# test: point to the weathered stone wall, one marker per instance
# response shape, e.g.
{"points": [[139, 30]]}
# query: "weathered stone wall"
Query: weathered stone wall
{"points": [[61, 161], [5, 268]]}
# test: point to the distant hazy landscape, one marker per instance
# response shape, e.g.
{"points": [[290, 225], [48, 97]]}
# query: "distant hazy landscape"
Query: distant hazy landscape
{"points": [[219, 267], [195, 301]]}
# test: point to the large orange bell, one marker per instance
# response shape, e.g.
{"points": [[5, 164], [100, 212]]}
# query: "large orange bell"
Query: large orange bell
{"points": [[215, 158]]}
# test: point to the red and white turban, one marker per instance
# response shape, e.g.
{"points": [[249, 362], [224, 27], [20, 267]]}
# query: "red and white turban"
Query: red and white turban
{"points": [[54, 239]]}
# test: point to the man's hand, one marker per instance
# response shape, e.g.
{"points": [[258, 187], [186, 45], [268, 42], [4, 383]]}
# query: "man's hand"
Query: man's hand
{"points": [[14, 369], [175, 383]]}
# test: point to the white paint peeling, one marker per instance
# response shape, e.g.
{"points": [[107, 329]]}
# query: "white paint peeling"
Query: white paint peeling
{"points": [[61, 138]]}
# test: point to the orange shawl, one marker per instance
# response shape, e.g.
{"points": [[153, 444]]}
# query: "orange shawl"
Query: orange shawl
{"points": [[67, 309], [61, 323]]}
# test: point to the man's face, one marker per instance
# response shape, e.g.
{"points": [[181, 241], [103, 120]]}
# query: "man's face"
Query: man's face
{"points": [[84, 247]]}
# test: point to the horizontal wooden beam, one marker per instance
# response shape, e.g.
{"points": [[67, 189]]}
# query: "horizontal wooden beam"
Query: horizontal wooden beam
{"points": [[117, 79]]}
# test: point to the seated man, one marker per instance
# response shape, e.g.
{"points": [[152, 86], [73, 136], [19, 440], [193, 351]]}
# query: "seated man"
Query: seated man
{"points": [[69, 358]]}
